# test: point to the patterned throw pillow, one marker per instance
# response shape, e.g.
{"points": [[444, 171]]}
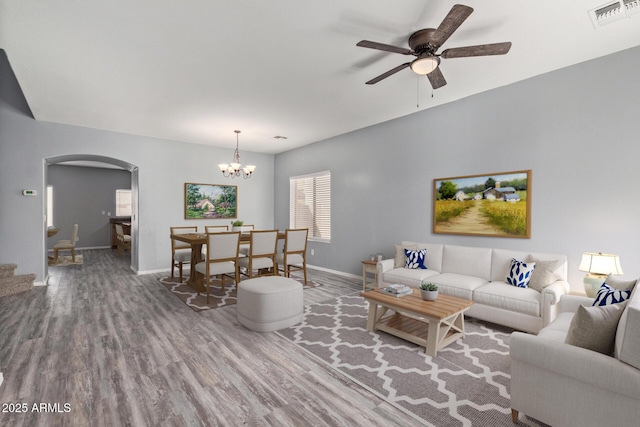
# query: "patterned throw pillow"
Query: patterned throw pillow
{"points": [[608, 295], [520, 273], [415, 259]]}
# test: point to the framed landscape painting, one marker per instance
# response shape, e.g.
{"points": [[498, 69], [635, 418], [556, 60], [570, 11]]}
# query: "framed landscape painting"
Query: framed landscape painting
{"points": [[497, 204], [210, 201]]}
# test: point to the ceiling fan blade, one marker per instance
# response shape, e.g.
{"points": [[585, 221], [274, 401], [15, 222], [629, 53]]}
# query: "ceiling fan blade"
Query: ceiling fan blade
{"points": [[388, 73], [436, 78], [479, 50], [450, 24], [385, 47]]}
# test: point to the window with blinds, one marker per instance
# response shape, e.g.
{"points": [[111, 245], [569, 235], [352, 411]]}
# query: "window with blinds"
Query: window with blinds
{"points": [[123, 202], [310, 204]]}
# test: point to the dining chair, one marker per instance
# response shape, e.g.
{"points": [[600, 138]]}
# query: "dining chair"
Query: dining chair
{"points": [[67, 245], [294, 256], [262, 254], [215, 228], [244, 247], [123, 240], [222, 258], [180, 251]]}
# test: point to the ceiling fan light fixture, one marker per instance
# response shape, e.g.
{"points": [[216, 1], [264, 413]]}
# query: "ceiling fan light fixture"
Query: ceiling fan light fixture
{"points": [[425, 64]]}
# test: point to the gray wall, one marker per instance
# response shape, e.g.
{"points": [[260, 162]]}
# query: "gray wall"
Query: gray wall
{"points": [[163, 168], [575, 128], [80, 195]]}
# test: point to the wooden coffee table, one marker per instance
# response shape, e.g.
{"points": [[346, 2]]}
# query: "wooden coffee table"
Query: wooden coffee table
{"points": [[430, 324]]}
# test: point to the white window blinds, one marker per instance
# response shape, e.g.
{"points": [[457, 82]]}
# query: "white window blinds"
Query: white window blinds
{"points": [[123, 202], [310, 204]]}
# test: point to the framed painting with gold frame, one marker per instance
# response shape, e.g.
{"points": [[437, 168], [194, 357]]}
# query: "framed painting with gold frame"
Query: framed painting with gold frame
{"points": [[210, 201], [495, 204]]}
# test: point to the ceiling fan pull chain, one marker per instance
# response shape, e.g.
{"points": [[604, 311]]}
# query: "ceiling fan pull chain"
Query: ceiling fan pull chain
{"points": [[417, 91]]}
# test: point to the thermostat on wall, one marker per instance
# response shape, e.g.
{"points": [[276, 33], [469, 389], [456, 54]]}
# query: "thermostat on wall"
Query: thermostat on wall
{"points": [[29, 192]]}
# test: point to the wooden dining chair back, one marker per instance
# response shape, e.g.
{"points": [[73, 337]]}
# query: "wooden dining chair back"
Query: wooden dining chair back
{"points": [[215, 228], [244, 247], [67, 245], [180, 251], [262, 254], [294, 256], [123, 241], [222, 259]]}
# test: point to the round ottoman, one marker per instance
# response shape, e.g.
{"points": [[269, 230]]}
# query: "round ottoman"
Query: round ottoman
{"points": [[270, 303]]}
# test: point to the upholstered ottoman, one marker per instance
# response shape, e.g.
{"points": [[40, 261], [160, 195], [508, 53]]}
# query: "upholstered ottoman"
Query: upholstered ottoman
{"points": [[269, 303]]}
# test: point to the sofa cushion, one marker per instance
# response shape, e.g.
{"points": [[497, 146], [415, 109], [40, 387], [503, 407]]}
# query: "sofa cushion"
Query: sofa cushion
{"points": [[519, 273], [622, 285], [415, 259], [457, 285], [607, 295], [505, 296], [400, 258], [544, 274], [627, 345], [407, 276], [594, 328], [557, 330], [467, 261]]}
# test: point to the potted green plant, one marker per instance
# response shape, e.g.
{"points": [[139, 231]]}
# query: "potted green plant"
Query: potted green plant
{"points": [[428, 291], [236, 225]]}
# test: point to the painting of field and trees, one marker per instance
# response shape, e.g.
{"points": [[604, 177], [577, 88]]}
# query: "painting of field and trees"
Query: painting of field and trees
{"points": [[210, 201], [483, 205]]}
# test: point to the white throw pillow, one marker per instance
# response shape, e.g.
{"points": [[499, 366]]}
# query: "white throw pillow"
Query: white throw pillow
{"points": [[594, 328], [544, 274]]}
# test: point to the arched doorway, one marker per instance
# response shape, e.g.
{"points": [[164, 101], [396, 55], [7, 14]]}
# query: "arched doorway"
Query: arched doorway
{"points": [[134, 192]]}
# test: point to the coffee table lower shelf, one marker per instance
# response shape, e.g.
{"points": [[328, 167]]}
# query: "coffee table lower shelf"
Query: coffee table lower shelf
{"points": [[416, 331], [432, 325]]}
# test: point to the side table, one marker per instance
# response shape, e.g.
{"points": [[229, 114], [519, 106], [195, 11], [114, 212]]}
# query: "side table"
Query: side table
{"points": [[369, 267]]}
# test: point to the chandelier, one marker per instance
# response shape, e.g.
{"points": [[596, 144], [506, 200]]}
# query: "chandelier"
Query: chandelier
{"points": [[235, 168]]}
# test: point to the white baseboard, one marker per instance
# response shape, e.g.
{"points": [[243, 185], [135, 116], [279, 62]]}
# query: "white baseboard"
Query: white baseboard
{"points": [[86, 248], [161, 270], [339, 273], [1, 378]]}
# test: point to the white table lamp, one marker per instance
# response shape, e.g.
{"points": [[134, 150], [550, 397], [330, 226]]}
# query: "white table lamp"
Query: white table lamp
{"points": [[598, 266]]}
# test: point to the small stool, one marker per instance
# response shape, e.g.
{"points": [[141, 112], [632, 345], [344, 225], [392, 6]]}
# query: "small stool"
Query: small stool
{"points": [[270, 303]]}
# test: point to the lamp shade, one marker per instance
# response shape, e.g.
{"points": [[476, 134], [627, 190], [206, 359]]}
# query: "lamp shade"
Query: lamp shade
{"points": [[425, 64], [599, 263]]}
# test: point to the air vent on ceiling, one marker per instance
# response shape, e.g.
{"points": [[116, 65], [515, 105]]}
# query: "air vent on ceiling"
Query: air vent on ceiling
{"points": [[280, 137], [614, 11]]}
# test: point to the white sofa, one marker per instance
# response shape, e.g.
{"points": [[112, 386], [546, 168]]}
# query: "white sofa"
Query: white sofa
{"points": [[478, 274], [565, 385]]}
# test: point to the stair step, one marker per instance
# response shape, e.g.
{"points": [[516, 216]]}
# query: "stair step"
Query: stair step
{"points": [[14, 284], [7, 270]]}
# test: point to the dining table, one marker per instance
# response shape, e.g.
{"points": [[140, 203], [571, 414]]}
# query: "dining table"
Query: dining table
{"points": [[196, 240]]}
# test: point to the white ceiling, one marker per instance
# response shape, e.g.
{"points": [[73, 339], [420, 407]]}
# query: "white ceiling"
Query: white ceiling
{"points": [[195, 70]]}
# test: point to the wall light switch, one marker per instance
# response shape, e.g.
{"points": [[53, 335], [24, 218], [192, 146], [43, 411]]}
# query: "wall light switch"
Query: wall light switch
{"points": [[103, 212], [108, 213], [313, 252]]}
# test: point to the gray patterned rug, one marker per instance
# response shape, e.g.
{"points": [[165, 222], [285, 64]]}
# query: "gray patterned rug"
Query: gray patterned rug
{"points": [[466, 384]]}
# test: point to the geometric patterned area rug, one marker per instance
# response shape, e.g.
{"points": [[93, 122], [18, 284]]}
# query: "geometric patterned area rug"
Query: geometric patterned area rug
{"points": [[64, 260], [466, 384], [217, 298]]}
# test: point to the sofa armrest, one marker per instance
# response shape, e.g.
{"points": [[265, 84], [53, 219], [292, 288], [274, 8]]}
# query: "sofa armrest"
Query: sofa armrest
{"points": [[570, 303], [585, 366], [550, 299], [382, 266], [554, 292]]}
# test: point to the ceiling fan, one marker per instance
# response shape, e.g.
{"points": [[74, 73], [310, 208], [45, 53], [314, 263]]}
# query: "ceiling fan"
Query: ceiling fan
{"points": [[424, 44]]}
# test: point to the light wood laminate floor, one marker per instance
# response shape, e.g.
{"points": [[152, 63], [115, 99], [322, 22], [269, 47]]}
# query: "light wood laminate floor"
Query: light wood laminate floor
{"points": [[122, 350]]}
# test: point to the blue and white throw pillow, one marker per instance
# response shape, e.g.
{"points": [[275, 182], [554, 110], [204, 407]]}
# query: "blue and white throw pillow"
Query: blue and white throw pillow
{"points": [[608, 295], [520, 273], [415, 259]]}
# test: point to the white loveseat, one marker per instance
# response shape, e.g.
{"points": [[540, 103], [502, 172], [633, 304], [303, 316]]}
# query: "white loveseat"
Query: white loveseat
{"points": [[478, 274], [565, 385]]}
